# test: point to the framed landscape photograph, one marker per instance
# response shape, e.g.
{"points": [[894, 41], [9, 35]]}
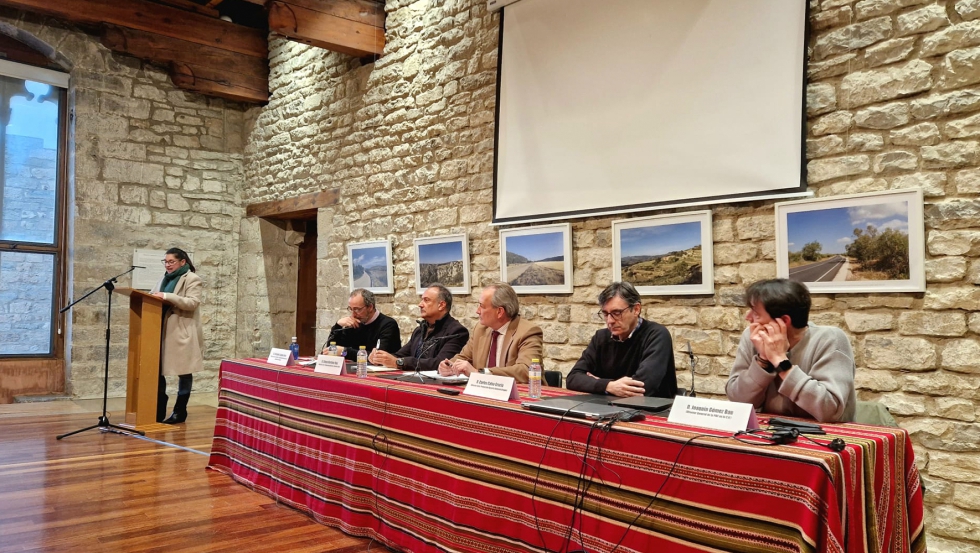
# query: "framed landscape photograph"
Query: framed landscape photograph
{"points": [[861, 243], [370, 266], [665, 255], [537, 260], [443, 259]]}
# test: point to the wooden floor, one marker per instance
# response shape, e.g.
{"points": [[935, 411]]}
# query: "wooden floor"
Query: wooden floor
{"points": [[100, 491]]}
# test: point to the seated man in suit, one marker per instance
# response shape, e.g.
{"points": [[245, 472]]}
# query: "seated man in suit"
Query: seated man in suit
{"points": [[439, 336], [789, 367], [631, 356], [503, 343], [365, 326]]}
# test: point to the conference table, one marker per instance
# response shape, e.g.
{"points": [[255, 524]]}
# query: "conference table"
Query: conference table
{"points": [[418, 470]]}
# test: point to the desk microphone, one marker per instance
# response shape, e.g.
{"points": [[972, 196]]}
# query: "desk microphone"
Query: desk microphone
{"points": [[694, 362]]}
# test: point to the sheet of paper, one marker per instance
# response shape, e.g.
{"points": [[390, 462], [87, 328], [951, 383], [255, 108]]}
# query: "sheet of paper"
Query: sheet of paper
{"points": [[435, 375], [380, 369]]}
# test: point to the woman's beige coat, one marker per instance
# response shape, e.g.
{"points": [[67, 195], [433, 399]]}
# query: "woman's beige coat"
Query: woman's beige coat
{"points": [[183, 337]]}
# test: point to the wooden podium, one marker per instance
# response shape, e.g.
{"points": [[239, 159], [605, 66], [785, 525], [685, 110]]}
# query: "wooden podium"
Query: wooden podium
{"points": [[145, 325]]}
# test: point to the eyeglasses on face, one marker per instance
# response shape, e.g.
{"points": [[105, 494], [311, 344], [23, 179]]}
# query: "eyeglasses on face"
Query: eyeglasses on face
{"points": [[356, 309], [616, 314], [169, 262]]}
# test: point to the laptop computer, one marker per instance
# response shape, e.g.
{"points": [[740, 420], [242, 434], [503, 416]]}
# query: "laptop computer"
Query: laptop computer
{"points": [[588, 406], [644, 403]]}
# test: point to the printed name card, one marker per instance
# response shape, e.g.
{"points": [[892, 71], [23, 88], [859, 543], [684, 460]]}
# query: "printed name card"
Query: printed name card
{"points": [[281, 357], [491, 386], [329, 364], [728, 416]]}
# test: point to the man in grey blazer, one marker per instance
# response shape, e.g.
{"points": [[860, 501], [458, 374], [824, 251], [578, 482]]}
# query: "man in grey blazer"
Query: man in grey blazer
{"points": [[503, 343]]}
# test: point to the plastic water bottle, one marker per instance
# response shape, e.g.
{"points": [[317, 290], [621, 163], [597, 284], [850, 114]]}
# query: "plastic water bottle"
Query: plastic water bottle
{"points": [[294, 348], [332, 348], [362, 363], [534, 379]]}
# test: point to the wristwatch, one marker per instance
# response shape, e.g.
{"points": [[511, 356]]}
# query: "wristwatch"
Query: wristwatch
{"points": [[485, 371], [765, 364], [784, 366], [400, 362]]}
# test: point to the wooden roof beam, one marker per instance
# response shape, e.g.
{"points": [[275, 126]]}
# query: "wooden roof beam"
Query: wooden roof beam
{"points": [[299, 207], [155, 18], [353, 27]]}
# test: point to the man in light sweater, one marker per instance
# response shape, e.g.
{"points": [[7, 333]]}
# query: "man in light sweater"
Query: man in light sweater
{"points": [[786, 366]]}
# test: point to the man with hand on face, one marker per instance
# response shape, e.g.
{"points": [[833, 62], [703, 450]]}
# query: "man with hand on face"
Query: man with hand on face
{"points": [[789, 367], [503, 343], [364, 326], [438, 337], [631, 356]]}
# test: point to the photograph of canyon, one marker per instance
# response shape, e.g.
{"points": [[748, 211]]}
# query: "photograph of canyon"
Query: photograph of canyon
{"points": [[369, 267], [443, 263]]}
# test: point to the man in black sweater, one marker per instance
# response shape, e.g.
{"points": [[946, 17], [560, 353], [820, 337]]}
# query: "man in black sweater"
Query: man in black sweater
{"points": [[631, 356], [364, 326]]}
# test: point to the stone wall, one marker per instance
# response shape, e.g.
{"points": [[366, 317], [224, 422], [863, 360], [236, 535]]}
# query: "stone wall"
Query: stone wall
{"points": [[893, 103], [151, 167]]}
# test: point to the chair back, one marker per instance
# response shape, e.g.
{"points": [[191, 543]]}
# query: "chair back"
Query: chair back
{"points": [[553, 378]]}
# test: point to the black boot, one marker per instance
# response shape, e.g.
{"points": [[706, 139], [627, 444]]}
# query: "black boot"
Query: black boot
{"points": [[183, 396], [162, 399]]}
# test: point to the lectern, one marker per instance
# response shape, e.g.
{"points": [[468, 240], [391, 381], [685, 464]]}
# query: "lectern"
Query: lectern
{"points": [[145, 323]]}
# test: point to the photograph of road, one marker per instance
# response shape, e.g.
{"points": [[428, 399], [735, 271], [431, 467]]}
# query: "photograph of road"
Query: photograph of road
{"points": [[535, 259], [662, 255], [862, 242], [369, 267], [442, 262]]}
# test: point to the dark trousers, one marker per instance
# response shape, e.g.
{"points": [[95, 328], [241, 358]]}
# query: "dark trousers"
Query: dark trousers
{"points": [[184, 384]]}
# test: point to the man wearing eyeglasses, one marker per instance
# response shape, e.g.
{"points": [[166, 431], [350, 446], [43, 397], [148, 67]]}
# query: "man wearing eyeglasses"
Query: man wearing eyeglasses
{"points": [[364, 326], [631, 356]]}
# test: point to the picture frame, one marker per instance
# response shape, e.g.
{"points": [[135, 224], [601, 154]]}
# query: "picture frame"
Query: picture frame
{"points": [[871, 242], [369, 266], [537, 260], [665, 254], [443, 259]]}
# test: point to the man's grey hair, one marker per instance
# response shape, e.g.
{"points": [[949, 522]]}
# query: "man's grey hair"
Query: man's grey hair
{"points": [[366, 295], [504, 296], [624, 290], [444, 295]]}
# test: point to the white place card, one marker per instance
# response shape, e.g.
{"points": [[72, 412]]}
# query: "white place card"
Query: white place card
{"points": [[329, 364], [491, 386], [281, 357], [728, 416]]}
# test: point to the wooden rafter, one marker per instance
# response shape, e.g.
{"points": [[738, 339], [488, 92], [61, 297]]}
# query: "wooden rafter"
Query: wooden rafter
{"points": [[155, 18], [353, 27], [191, 6]]}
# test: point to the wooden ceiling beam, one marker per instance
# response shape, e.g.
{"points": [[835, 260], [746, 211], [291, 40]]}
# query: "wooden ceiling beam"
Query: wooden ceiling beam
{"points": [[353, 27], [191, 6], [155, 18], [299, 207], [212, 82]]}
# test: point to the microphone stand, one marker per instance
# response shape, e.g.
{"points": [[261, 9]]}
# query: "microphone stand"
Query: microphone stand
{"points": [[104, 423], [694, 362], [424, 348]]}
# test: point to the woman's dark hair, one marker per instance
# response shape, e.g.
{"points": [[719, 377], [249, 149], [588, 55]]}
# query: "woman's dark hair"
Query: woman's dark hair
{"points": [[181, 255], [779, 297]]}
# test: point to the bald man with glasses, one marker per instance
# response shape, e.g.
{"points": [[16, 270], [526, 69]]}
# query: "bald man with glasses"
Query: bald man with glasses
{"points": [[631, 356], [364, 326]]}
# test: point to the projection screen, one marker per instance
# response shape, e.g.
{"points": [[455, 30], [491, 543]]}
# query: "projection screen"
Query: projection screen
{"points": [[625, 105]]}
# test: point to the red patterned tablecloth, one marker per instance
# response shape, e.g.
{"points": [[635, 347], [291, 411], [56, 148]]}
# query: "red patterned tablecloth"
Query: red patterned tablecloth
{"points": [[422, 471]]}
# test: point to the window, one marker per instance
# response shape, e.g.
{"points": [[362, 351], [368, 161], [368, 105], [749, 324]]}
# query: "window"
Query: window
{"points": [[32, 131]]}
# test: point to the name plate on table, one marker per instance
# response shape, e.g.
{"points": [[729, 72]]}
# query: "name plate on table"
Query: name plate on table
{"points": [[281, 357], [728, 416], [329, 364], [491, 386]]}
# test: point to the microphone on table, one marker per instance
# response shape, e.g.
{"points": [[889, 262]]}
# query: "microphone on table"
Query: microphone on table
{"points": [[694, 362]]}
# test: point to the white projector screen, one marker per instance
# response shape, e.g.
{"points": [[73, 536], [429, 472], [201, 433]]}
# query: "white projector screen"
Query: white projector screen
{"points": [[625, 105]]}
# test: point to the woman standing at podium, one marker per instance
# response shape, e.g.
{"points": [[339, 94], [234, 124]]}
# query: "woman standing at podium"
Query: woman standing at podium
{"points": [[182, 352]]}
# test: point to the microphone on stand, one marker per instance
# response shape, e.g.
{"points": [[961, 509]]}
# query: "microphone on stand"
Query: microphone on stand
{"points": [[694, 362]]}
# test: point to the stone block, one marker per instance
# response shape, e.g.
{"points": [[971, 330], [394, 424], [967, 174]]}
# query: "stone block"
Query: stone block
{"points": [[131, 194], [876, 381], [824, 146], [945, 269], [886, 116], [952, 297], [734, 252], [832, 123], [890, 162], [865, 9], [723, 318], [951, 522], [956, 408], [751, 272], [703, 342], [950, 155], [923, 134], [867, 87], [864, 142], [890, 51], [820, 98], [905, 405], [922, 20], [961, 356], [941, 383], [968, 9], [852, 37], [953, 242], [930, 323], [756, 227], [671, 316], [892, 352], [819, 170]]}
